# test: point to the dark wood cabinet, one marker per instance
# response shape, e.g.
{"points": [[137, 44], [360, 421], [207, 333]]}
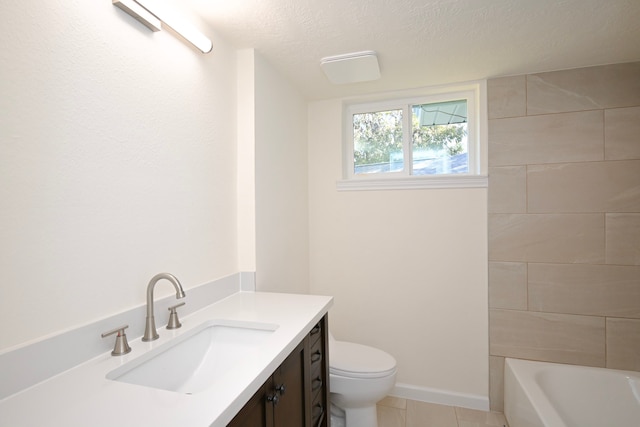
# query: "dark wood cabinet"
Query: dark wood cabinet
{"points": [[297, 393], [256, 412], [288, 388], [317, 376]]}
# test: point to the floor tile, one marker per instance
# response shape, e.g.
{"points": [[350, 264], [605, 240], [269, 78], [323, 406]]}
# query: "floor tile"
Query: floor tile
{"points": [[421, 414], [399, 412], [480, 418], [473, 424], [394, 402], [391, 417]]}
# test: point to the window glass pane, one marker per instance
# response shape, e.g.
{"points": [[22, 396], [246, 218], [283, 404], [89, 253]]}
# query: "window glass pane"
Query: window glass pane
{"points": [[377, 142], [439, 138]]}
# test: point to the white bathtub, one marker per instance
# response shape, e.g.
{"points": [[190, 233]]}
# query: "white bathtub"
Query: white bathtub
{"points": [[538, 394]]}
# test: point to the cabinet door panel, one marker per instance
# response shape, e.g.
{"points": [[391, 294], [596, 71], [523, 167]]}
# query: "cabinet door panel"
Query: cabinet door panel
{"points": [[257, 412], [296, 394], [290, 409]]}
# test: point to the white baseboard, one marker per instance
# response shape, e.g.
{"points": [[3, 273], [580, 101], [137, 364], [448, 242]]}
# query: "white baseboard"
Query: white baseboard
{"points": [[440, 397]]}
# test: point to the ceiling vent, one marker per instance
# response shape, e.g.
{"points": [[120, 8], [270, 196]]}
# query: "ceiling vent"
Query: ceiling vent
{"points": [[351, 67]]}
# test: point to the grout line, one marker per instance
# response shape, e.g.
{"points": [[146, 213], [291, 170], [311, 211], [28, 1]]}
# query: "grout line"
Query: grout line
{"points": [[526, 95], [606, 353], [526, 273], [604, 135]]}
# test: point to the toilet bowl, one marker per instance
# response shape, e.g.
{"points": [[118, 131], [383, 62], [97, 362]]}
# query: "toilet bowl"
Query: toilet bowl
{"points": [[359, 377]]}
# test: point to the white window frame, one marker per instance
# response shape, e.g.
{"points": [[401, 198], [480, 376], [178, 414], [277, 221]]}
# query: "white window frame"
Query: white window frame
{"points": [[475, 95]]}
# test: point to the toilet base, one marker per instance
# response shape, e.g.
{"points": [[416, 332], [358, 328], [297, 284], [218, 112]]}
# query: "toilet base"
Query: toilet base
{"points": [[354, 417], [337, 417]]}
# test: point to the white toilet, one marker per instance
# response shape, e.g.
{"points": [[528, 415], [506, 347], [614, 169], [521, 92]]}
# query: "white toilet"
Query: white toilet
{"points": [[359, 377]]}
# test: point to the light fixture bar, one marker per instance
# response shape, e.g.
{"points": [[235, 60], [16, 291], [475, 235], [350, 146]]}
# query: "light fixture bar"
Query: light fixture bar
{"points": [[140, 13], [156, 19], [189, 33]]}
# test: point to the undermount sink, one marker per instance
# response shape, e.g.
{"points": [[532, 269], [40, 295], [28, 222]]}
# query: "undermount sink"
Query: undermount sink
{"points": [[195, 360]]}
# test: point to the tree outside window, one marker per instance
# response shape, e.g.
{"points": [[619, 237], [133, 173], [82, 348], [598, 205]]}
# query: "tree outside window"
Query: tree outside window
{"points": [[438, 140]]}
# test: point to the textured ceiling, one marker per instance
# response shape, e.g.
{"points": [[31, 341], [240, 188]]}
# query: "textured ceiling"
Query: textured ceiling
{"points": [[427, 42]]}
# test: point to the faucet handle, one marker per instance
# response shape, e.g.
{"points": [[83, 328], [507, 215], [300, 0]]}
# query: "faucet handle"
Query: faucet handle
{"points": [[174, 322], [122, 346]]}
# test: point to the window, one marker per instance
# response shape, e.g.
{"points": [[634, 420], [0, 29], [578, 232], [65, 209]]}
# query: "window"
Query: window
{"points": [[425, 141]]}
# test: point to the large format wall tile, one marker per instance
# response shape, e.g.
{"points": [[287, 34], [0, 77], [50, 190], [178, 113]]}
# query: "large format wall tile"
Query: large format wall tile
{"points": [[561, 338], [623, 238], [496, 383], [596, 290], [507, 191], [507, 97], [508, 285], [565, 238], [623, 344], [622, 133], [554, 138], [564, 219], [584, 187], [582, 89]]}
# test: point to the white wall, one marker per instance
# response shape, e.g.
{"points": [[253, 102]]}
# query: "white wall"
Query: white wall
{"points": [[117, 161], [407, 268], [246, 143], [282, 257]]}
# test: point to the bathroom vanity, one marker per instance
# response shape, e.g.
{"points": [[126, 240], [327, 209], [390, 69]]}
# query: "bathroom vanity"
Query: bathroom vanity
{"points": [[297, 394], [278, 375]]}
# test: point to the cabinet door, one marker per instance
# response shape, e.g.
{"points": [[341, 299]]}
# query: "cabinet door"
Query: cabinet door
{"points": [[297, 393], [289, 383], [258, 412]]}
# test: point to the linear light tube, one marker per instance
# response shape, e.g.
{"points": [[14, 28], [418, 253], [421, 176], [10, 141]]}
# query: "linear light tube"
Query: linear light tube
{"points": [[189, 33], [140, 13], [181, 27], [155, 20]]}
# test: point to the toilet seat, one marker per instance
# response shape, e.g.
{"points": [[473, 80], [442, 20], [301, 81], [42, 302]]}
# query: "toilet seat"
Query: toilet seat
{"points": [[353, 360]]}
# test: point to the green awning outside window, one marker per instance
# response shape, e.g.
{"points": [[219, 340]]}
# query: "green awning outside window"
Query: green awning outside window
{"points": [[441, 113]]}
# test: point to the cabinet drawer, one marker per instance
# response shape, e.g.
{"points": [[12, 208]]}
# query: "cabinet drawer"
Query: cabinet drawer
{"points": [[317, 382], [316, 355], [316, 333], [318, 411]]}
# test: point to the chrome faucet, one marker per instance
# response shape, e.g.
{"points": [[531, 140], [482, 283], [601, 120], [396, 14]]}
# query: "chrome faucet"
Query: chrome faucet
{"points": [[150, 332]]}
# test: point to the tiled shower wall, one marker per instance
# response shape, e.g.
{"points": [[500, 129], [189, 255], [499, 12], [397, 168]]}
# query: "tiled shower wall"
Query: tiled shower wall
{"points": [[564, 219]]}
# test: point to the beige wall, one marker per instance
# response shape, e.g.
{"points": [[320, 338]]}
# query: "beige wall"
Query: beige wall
{"points": [[282, 257], [272, 177], [121, 157], [246, 159], [117, 162], [407, 268], [564, 219]]}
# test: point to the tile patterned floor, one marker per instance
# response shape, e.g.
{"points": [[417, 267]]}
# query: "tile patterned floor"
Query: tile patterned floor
{"points": [[397, 412]]}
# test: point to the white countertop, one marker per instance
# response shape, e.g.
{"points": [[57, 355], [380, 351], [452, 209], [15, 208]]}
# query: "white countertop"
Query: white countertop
{"points": [[82, 396]]}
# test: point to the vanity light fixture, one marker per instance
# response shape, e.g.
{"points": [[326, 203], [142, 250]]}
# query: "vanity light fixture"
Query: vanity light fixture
{"points": [[140, 13], [155, 20], [185, 30]]}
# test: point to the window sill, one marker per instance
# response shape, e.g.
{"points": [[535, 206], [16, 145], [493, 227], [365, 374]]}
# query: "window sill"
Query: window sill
{"points": [[413, 183]]}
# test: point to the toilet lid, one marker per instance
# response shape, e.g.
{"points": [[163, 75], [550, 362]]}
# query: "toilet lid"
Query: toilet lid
{"points": [[359, 361]]}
